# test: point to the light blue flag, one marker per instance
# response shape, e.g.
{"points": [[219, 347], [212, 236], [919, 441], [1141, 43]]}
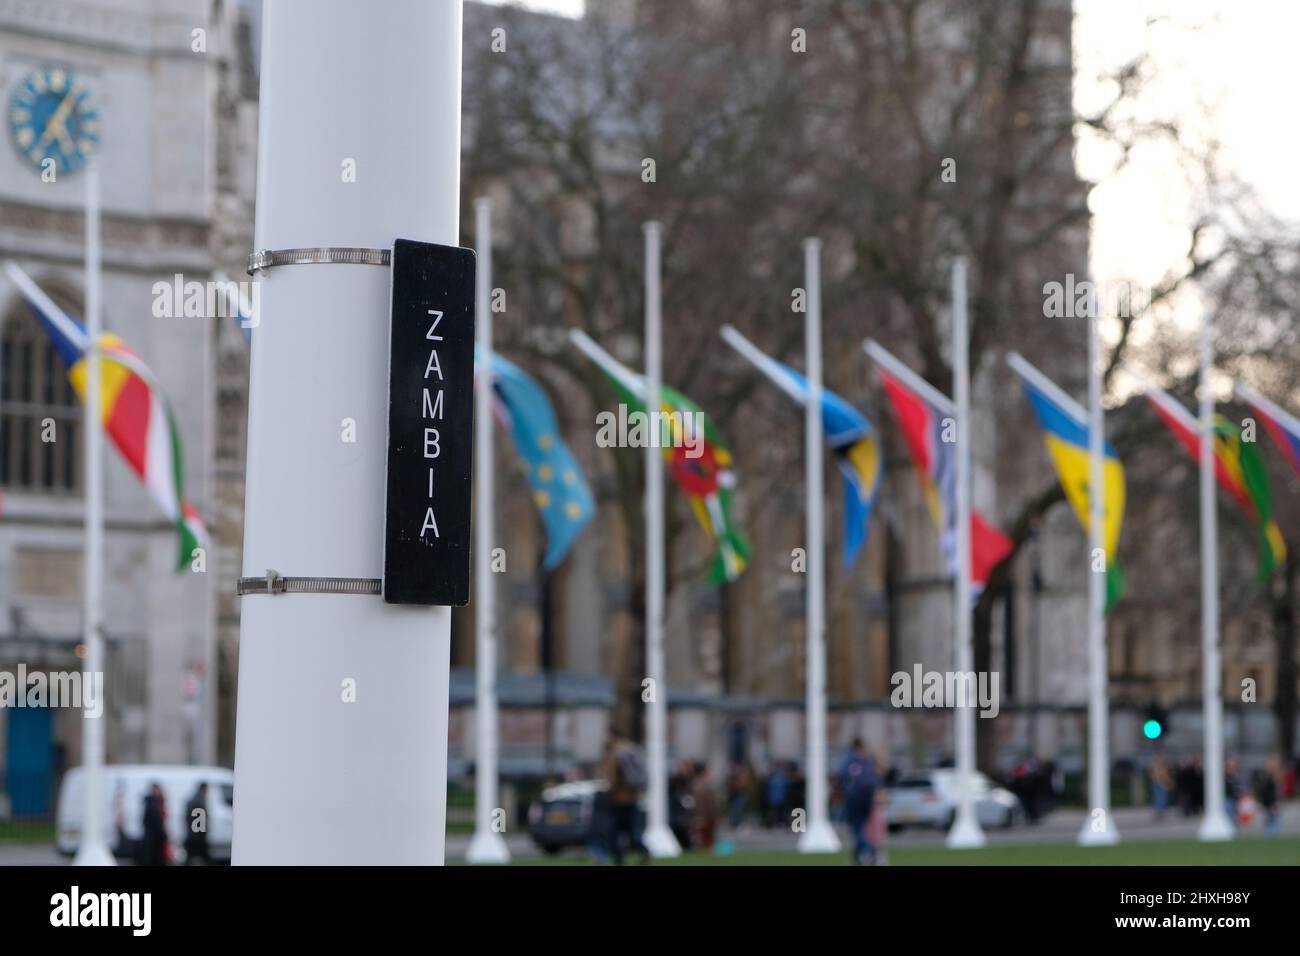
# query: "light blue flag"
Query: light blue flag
{"points": [[560, 489]]}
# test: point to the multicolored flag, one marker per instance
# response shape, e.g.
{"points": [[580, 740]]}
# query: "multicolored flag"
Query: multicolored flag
{"points": [[133, 411], [1065, 432], [921, 411], [1239, 469], [560, 489], [851, 437], [704, 473], [1283, 427]]}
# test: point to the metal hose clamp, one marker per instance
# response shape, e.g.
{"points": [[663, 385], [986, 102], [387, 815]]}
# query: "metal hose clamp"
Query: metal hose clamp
{"points": [[266, 258], [276, 583]]}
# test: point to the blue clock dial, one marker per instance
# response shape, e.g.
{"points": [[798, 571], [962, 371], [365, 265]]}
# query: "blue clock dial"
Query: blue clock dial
{"points": [[52, 116]]}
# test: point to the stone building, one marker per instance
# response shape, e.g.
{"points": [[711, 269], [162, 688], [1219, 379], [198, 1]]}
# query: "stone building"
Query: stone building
{"points": [[154, 88]]}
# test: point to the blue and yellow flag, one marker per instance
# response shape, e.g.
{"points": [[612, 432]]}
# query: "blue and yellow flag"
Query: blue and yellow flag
{"points": [[851, 437], [1065, 432], [559, 487]]}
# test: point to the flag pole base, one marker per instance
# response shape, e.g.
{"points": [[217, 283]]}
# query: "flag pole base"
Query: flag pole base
{"points": [[661, 843], [965, 833], [487, 846], [1215, 828], [820, 837], [94, 853], [1090, 835]]}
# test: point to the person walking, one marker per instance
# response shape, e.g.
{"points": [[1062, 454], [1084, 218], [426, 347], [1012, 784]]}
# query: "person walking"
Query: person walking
{"points": [[778, 796], [155, 850], [1268, 788], [623, 771], [705, 796], [858, 778], [196, 826], [1162, 781]]}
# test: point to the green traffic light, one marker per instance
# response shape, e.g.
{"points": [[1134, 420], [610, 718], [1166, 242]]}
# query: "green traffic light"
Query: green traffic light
{"points": [[1152, 729]]}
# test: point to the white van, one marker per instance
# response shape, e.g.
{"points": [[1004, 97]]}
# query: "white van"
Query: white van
{"points": [[123, 789]]}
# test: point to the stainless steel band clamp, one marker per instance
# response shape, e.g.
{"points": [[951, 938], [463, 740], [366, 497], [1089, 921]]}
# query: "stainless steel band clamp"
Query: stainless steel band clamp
{"points": [[266, 258], [275, 583]]}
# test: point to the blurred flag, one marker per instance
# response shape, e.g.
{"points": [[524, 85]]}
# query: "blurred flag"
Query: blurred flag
{"points": [[1238, 467], [1065, 432], [924, 415], [707, 480], [850, 435], [1284, 428], [133, 410], [560, 489]]}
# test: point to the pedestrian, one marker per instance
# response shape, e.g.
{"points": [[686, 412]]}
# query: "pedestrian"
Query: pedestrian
{"points": [[681, 803], [155, 850], [1185, 781], [737, 795], [1232, 788], [1268, 788], [705, 796], [777, 791], [625, 780], [858, 777], [1162, 781], [196, 827]]}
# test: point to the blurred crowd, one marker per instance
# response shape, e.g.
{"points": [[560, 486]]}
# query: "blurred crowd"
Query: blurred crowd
{"points": [[1249, 797]]}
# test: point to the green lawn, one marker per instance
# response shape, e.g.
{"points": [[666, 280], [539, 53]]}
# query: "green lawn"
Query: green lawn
{"points": [[23, 831], [1248, 851]]}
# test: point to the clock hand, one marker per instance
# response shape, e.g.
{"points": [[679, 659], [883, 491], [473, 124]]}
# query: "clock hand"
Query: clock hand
{"points": [[56, 124]]}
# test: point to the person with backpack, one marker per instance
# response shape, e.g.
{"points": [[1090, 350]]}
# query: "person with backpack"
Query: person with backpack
{"points": [[858, 779], [624, 773]]}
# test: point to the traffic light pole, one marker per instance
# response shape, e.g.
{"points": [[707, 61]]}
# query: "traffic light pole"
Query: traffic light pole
{"points": [[341, 746]]}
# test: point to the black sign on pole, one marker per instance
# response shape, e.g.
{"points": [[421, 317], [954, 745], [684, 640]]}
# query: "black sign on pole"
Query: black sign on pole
{"points": [[430, 425]]}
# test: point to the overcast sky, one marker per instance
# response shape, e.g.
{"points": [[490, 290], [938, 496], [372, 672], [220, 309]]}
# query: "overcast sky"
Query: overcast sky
{"points": [[1227, 70]]}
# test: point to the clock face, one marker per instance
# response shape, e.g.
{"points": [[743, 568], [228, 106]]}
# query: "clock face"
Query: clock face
{"points": [[52, 116]]}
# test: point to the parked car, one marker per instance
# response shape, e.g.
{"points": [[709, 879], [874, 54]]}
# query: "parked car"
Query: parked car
{"points": [[564, 816], [929, 799], [122, 791]]}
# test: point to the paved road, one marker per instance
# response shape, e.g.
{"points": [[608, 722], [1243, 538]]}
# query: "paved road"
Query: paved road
{"points": [[1060, 827]]}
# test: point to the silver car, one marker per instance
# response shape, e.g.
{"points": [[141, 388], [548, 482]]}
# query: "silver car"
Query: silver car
{"points": [[929, 799]]}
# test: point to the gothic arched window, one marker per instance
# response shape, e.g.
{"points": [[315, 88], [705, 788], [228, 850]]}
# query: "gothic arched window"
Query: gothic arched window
{"points": [[40, 414]]}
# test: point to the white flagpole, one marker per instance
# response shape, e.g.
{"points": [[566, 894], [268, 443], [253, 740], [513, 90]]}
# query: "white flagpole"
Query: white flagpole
{"points": [[1098, 826], [487, 845], [1215, 825], [820, 836], [965, 832], [92, 850], [659, 839], [341, 737]]}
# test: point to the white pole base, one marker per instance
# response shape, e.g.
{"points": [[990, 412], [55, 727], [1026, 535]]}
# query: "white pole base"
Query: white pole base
{"points": [[820, 837], [661, 843], [1089, 835], [1215, 828], [487, 846], [965, 833], [93, 853]]}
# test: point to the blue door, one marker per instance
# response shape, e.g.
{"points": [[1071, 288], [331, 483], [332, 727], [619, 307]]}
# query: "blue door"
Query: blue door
{"points": [[29, 771]]}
